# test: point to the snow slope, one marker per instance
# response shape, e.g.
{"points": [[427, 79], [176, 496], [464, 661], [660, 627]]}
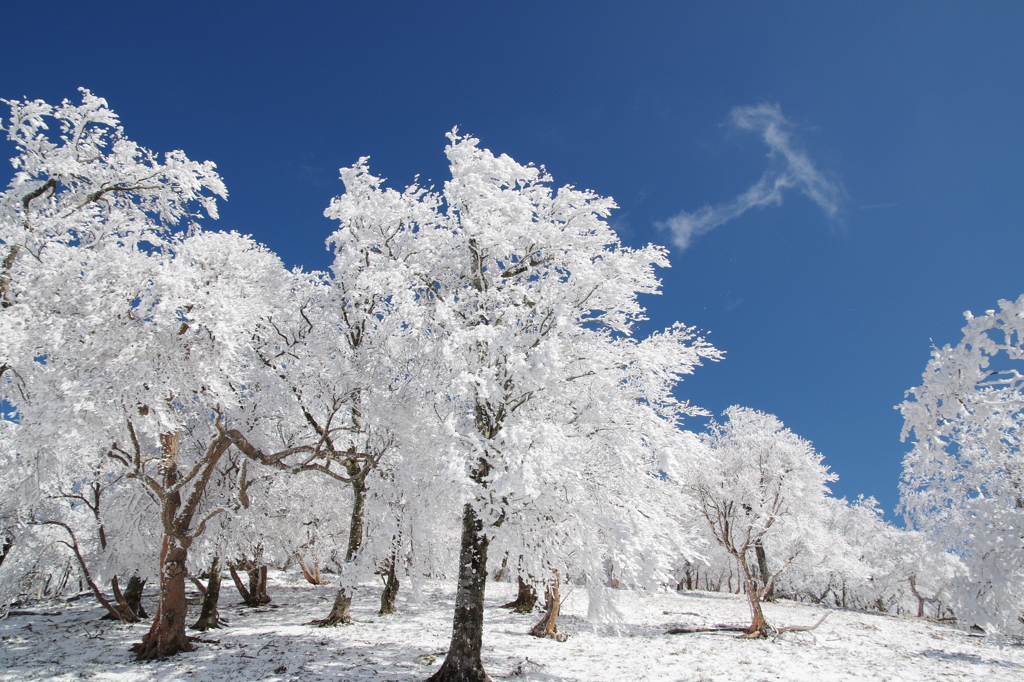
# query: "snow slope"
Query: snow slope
{"points": [[270, 643]]}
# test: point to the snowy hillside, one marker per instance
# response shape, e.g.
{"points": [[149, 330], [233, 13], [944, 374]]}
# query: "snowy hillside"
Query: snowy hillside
{"points": [[271, 643]]}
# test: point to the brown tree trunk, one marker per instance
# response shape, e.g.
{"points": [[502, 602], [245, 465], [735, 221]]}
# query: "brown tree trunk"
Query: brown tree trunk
{"points": [[463, 664], [243, 591], [112, 610], [343, 600], [526, 598], [129, 604], [256, 593], [340, 612], [166, 636], [387, 597], [759, 626], [133, 596], [548, 625], [209, 617], [258, 586], [313, 576]]}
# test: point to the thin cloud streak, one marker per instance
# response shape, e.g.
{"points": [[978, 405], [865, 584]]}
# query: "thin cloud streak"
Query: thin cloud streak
{"points": [[789, 168]]}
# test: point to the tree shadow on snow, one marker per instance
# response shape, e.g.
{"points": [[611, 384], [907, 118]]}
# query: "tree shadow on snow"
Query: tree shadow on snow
{"points": [[969, 658]]}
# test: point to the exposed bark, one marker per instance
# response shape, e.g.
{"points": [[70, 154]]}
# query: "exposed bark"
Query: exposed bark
{"points": [[133, 596], [800, 628], [12, 255], [343, 600], [722, 627], [463, 664], [763, 573], [340, 611], [258, 585], [312, 576], [526, 598], [111, 608], [6, 548], [256, 593], [759, 626], [166, 636], [387, 596], [548, 625], [713, 628], [209, 617], [921, 600], [129, 604], [243, 591]]}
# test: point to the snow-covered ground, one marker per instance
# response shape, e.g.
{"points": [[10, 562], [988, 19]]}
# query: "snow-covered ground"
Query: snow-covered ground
{"points": [[271, 643]]}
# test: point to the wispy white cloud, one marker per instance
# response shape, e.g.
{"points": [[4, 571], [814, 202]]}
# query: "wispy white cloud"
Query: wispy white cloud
{"points": [[789, 168]]}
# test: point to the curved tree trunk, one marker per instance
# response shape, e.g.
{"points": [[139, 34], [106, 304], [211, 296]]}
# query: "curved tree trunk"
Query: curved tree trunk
{"points": [[759, 626], [209, 617], [548, 625], [312, 576], [256, 593], [463, 662], [129, 603]]}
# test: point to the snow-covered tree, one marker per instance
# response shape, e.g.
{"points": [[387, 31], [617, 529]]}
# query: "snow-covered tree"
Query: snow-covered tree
{"points": [[759, 479], [128, 348], [963, 482], [527, 299]]}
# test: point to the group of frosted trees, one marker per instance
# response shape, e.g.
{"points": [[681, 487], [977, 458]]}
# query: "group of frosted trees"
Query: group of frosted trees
{"points": [[460, 395]]}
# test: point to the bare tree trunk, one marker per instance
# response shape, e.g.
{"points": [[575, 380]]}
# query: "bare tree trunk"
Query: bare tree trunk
{"points": [[463, 662], [258, 585], [548, 625], [759, 626], [525, 600], [129, 604], [133, 596], [112, 610], [921, 600], [387, 597], [243, 591], [166, 636], [313, 576], [6, 548], [256, 593], [762, 570], [343, 600], [209, 617]]}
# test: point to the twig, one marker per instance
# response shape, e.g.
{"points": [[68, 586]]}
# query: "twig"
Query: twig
{"points": [[798, 628], [713, 628]]}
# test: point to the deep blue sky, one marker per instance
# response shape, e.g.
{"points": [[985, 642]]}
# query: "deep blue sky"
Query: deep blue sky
{"points": [[916, 108]]}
